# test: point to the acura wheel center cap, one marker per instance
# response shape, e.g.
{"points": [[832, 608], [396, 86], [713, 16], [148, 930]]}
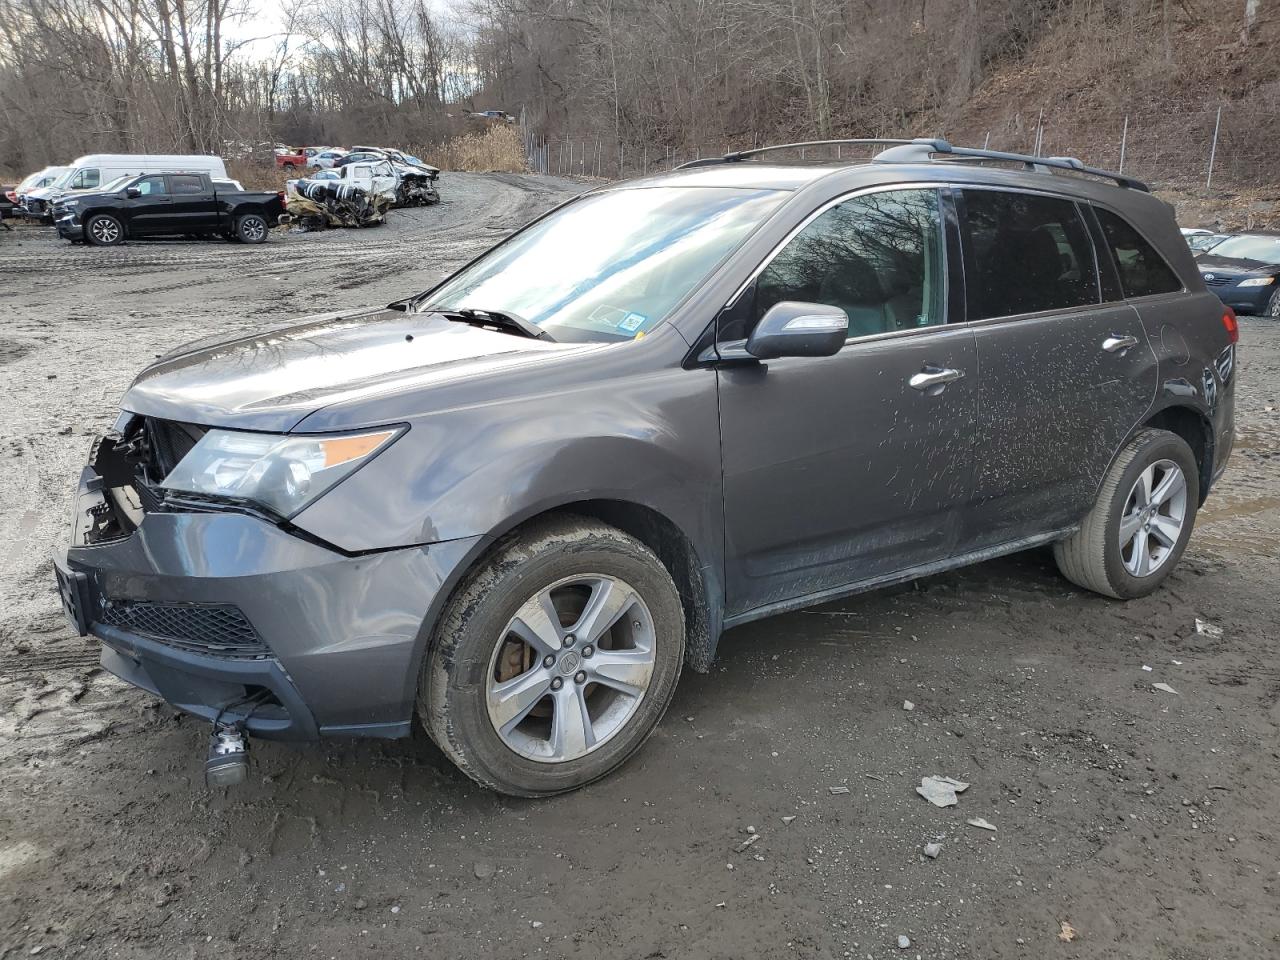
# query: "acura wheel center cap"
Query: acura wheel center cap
{"points": [[569, 663]]}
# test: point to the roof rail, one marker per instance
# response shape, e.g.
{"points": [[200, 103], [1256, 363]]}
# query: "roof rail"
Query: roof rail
{"points": [[923, 150], [736, 155]]}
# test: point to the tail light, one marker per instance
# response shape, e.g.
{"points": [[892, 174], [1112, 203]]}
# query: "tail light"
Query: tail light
{"points": [[12, 195], [1233, 327]]}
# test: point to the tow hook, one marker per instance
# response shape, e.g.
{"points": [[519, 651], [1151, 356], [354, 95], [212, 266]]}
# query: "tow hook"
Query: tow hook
{"points": [[228, 761]]}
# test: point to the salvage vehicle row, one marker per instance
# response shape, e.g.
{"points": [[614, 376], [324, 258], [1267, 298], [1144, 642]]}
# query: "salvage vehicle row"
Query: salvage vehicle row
{"points": [[106, 199]]}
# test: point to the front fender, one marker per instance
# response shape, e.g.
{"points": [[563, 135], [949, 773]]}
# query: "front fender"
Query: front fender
{"points": [[650, 439]]}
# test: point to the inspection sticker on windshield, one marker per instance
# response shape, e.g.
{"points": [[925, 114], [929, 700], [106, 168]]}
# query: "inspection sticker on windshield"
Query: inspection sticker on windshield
{"points": [[632, 321]]}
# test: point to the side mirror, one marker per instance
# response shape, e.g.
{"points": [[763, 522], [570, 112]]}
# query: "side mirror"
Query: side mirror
{"points": [[792, 329], [133, 193]]}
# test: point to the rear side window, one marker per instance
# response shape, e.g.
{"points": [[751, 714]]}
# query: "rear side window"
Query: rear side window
{"points": [[877, 257], [185, 183], [1025, 253], [1143, 272]]}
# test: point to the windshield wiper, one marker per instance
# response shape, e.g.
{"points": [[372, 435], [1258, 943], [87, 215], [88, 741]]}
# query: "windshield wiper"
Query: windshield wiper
{"points": [[496, 318]]}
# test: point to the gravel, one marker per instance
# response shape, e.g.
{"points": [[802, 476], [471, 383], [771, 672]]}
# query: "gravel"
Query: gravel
{"points": [[1034, 693]]}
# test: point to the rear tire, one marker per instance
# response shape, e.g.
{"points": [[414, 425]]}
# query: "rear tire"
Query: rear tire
{"points": [[251, 228], [104, 230], [574, 717], [1137, 530]]}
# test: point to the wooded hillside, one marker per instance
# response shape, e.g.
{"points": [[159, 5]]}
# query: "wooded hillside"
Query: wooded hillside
{"points": [[643, 80]]}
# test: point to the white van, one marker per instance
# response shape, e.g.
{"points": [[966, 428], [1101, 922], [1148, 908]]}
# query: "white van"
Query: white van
{"points": [[96, 170]]}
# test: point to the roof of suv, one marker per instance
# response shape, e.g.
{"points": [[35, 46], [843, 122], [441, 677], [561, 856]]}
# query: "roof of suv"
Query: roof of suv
{"points": [[924, 159], [757, 175]]}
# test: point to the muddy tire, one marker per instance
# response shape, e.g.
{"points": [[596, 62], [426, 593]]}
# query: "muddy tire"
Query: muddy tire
{"points": [[1135, 534], [251, 228], [104, 230], [555, 659]]}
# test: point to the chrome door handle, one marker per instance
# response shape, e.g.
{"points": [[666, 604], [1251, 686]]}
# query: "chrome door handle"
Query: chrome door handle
{"points": [[934, 377], [1113, 344]]}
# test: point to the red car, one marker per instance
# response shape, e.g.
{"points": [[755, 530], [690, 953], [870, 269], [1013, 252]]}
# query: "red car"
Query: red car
{"points": [[291, 159]]}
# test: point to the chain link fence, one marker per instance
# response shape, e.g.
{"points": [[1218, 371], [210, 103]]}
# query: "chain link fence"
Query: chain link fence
{"points": [[1214, 147]]}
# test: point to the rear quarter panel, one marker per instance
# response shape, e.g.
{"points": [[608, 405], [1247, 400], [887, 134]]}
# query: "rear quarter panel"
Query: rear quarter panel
{"points": [[1195, 356]]}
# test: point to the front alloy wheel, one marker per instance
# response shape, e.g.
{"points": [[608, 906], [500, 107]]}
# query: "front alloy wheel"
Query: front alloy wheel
{"points": [[555, 658], [1273, 305], [104, 231], [571, 668]]}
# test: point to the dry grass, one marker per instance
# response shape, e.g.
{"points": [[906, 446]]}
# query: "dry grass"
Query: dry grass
{"points": [[255, 175], [496, 149]]}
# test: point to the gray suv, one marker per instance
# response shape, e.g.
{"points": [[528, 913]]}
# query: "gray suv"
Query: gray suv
{"points": [[517, 504]]}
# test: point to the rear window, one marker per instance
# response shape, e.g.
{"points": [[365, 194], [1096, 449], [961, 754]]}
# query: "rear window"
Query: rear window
{"points": [[1025, 253], [185, 183], [1143, 272]]}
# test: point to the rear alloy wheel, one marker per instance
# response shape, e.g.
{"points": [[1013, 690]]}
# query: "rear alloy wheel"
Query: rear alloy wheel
{"points": [[251, 228], [104, 230], [1273, 305], [1139, 526], [555, 659]]}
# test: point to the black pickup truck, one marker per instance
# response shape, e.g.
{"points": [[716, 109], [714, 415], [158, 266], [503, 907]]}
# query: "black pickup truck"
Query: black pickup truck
{"points": [[159, 204]]}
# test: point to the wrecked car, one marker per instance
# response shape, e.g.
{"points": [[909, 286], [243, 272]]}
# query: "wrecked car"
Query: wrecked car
{"points": [[416, 185], [515, 506], [317, 204]]}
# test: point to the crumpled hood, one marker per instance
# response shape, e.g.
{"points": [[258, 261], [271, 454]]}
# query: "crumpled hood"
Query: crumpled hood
{"points": [[272, 380]]}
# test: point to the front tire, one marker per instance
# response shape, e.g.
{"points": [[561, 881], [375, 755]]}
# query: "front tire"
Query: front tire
{"points": [[1137, 530], [555, 659], [104, 230], [251, 228], [1273, 305]]}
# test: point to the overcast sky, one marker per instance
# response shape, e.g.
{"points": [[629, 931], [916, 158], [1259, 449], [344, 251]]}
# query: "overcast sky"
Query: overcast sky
{"points": [[264, 20]]}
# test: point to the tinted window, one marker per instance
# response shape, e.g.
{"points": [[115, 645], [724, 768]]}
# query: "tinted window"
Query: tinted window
{"points": [[185, 183], [1024, 254], [877, 257], [1143, 272], [150, 186]]}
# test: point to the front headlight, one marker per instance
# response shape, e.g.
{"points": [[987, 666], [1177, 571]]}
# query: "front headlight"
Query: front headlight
{"points": [[1258, 281], [281, 473]]}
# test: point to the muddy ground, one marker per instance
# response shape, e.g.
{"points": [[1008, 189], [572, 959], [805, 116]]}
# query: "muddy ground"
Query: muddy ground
{"points": [[1145, 821]]}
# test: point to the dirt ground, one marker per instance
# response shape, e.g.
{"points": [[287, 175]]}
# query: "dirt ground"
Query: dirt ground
{"points": [[1143, 821]]}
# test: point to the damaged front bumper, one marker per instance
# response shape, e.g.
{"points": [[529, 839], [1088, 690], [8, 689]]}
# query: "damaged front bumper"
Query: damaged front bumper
{"points": [[69, 227], [213, 610]]}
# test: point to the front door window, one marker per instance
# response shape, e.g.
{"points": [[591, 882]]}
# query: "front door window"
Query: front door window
{"points": [[878, 257]]}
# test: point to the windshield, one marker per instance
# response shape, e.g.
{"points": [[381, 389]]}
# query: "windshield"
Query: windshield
{"points": [[610, 266], [1263, 248], [116, 184], [64, 177]]}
